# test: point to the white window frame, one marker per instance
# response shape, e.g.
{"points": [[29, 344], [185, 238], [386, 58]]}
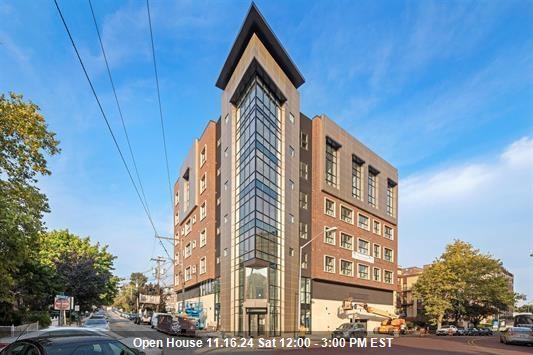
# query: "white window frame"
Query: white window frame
{"points": [[334, 262], [373, 274], [203, 237], [352, 213], [392, 277], [305, 204], [302, 141], [340, 240], [340, 267], [204, 260], [203, 183], [334, 207], [203, 210], [203, 155], [306, 230], [304, 170], [374, 221], [368, 218], [369, 268], [392, 255], [373, 250], [392, 230], [332, 232], [369, 246]]}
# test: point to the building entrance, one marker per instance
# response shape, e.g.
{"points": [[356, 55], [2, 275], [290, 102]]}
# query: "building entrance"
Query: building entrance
{"points": [[256, 323]]}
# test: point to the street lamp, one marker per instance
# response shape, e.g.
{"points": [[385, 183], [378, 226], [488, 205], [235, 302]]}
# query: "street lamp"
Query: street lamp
{"points": [[326, 230]]}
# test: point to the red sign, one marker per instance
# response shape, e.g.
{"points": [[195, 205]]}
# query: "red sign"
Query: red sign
{"points": [[61, 304]]}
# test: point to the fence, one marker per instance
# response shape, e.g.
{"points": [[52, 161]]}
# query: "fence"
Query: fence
{"points": [[15, 331]]}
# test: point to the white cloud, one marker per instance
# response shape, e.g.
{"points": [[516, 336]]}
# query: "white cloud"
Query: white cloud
{"points": [[488, 203]]}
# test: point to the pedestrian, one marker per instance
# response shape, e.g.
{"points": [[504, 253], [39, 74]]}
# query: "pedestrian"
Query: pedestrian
{"points": [[302, 331]]}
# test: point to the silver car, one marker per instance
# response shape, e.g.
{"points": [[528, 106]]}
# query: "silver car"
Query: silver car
{"points": [[98, 323], [517, 335]]}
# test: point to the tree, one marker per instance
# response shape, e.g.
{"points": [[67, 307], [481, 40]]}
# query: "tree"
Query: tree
{"points": [[83, 270], [138, 279], [25, 142], [464, 283]]}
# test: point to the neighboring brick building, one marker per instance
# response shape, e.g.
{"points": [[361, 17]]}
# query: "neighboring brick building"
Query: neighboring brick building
{"points": [[408, 305], [263, 181]]}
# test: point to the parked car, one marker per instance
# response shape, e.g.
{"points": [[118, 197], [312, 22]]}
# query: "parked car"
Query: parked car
{"points": [[446, 330], [153, 319], [350, 330], [101, 345], [517, 335], [460, 331], [485, 331], [100, 324], [50, 332], [472, 331]]}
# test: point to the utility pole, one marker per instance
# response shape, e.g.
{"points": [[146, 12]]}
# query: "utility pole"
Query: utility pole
{"points": [[158, 273]]}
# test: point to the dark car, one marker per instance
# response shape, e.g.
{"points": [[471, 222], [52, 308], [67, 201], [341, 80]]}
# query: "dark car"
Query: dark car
{"points": [[70, 345], [460, 331], [179, 326], [485, 331], [350, 330], [472, 331]]}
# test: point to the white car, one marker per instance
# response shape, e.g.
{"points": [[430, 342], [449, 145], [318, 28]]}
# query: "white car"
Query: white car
{"points": [[447, 330], [517, 335], [96, 323]]}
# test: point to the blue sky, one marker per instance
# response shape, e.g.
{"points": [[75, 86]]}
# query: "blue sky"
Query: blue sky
{"points": [[442, 90]]}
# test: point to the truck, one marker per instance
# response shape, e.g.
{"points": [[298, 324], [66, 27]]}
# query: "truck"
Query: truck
{"points": [[391, 324]]}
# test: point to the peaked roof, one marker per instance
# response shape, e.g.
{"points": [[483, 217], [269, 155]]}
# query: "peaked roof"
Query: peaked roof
{"points": [[255, 23]]}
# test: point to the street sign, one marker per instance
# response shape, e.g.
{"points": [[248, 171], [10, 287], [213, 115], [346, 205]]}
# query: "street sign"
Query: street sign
{"points": [[61, 303], [153, 299]]}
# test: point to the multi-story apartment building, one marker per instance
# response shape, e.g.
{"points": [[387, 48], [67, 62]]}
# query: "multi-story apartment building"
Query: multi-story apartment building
{"points": [[267, 194], [408, 305]]}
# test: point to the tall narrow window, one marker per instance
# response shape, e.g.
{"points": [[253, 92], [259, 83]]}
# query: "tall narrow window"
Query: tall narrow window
{"points": [[303, 170], [329, 264], [391, 187], [303, 200], [303, 230], [304, 141], [372, 186], [331, 162], [357, 172]]}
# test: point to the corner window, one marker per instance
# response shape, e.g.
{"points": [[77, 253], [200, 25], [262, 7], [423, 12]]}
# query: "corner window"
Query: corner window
{"points": [[388, 232], [387, 276], [388, 255]]}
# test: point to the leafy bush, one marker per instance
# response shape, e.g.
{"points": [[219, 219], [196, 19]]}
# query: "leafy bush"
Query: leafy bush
{"points": [[42, 317]]}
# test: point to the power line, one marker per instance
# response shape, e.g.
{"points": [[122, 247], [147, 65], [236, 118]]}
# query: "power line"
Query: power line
{"points": [[119, 107], [159, 101], [104, 116]]}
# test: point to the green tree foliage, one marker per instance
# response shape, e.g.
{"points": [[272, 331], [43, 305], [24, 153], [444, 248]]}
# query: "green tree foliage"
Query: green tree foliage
{"points": [[463, 283], [83, 270], [25, 142]]}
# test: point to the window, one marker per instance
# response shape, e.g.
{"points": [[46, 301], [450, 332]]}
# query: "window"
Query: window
{"points": [[226, 152], [331, 162], [202, 265], [303, 200], [346, 241], [203, 183], [389, 232], [391, 187], [202, 156], [303, 230], [363, 222], [177, 197], [203, 211], [329, 235], [329, 264], [203, 238], [226, 185], [188, 250], [303, 170], [304, 261], [388, 254], [225, 219], [291, 151], [193, 219], [363, 246], [377, 274], [291, 184], [372, 186], [186, 192], [329, 207], [346, 268], [357, 166], [377, 227], [387, 277], [362, 271], [304, 141], [377, 251], [291, 251], [291, 218], [187, 226], [188, 273], [346, 214], [291, 118]]}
